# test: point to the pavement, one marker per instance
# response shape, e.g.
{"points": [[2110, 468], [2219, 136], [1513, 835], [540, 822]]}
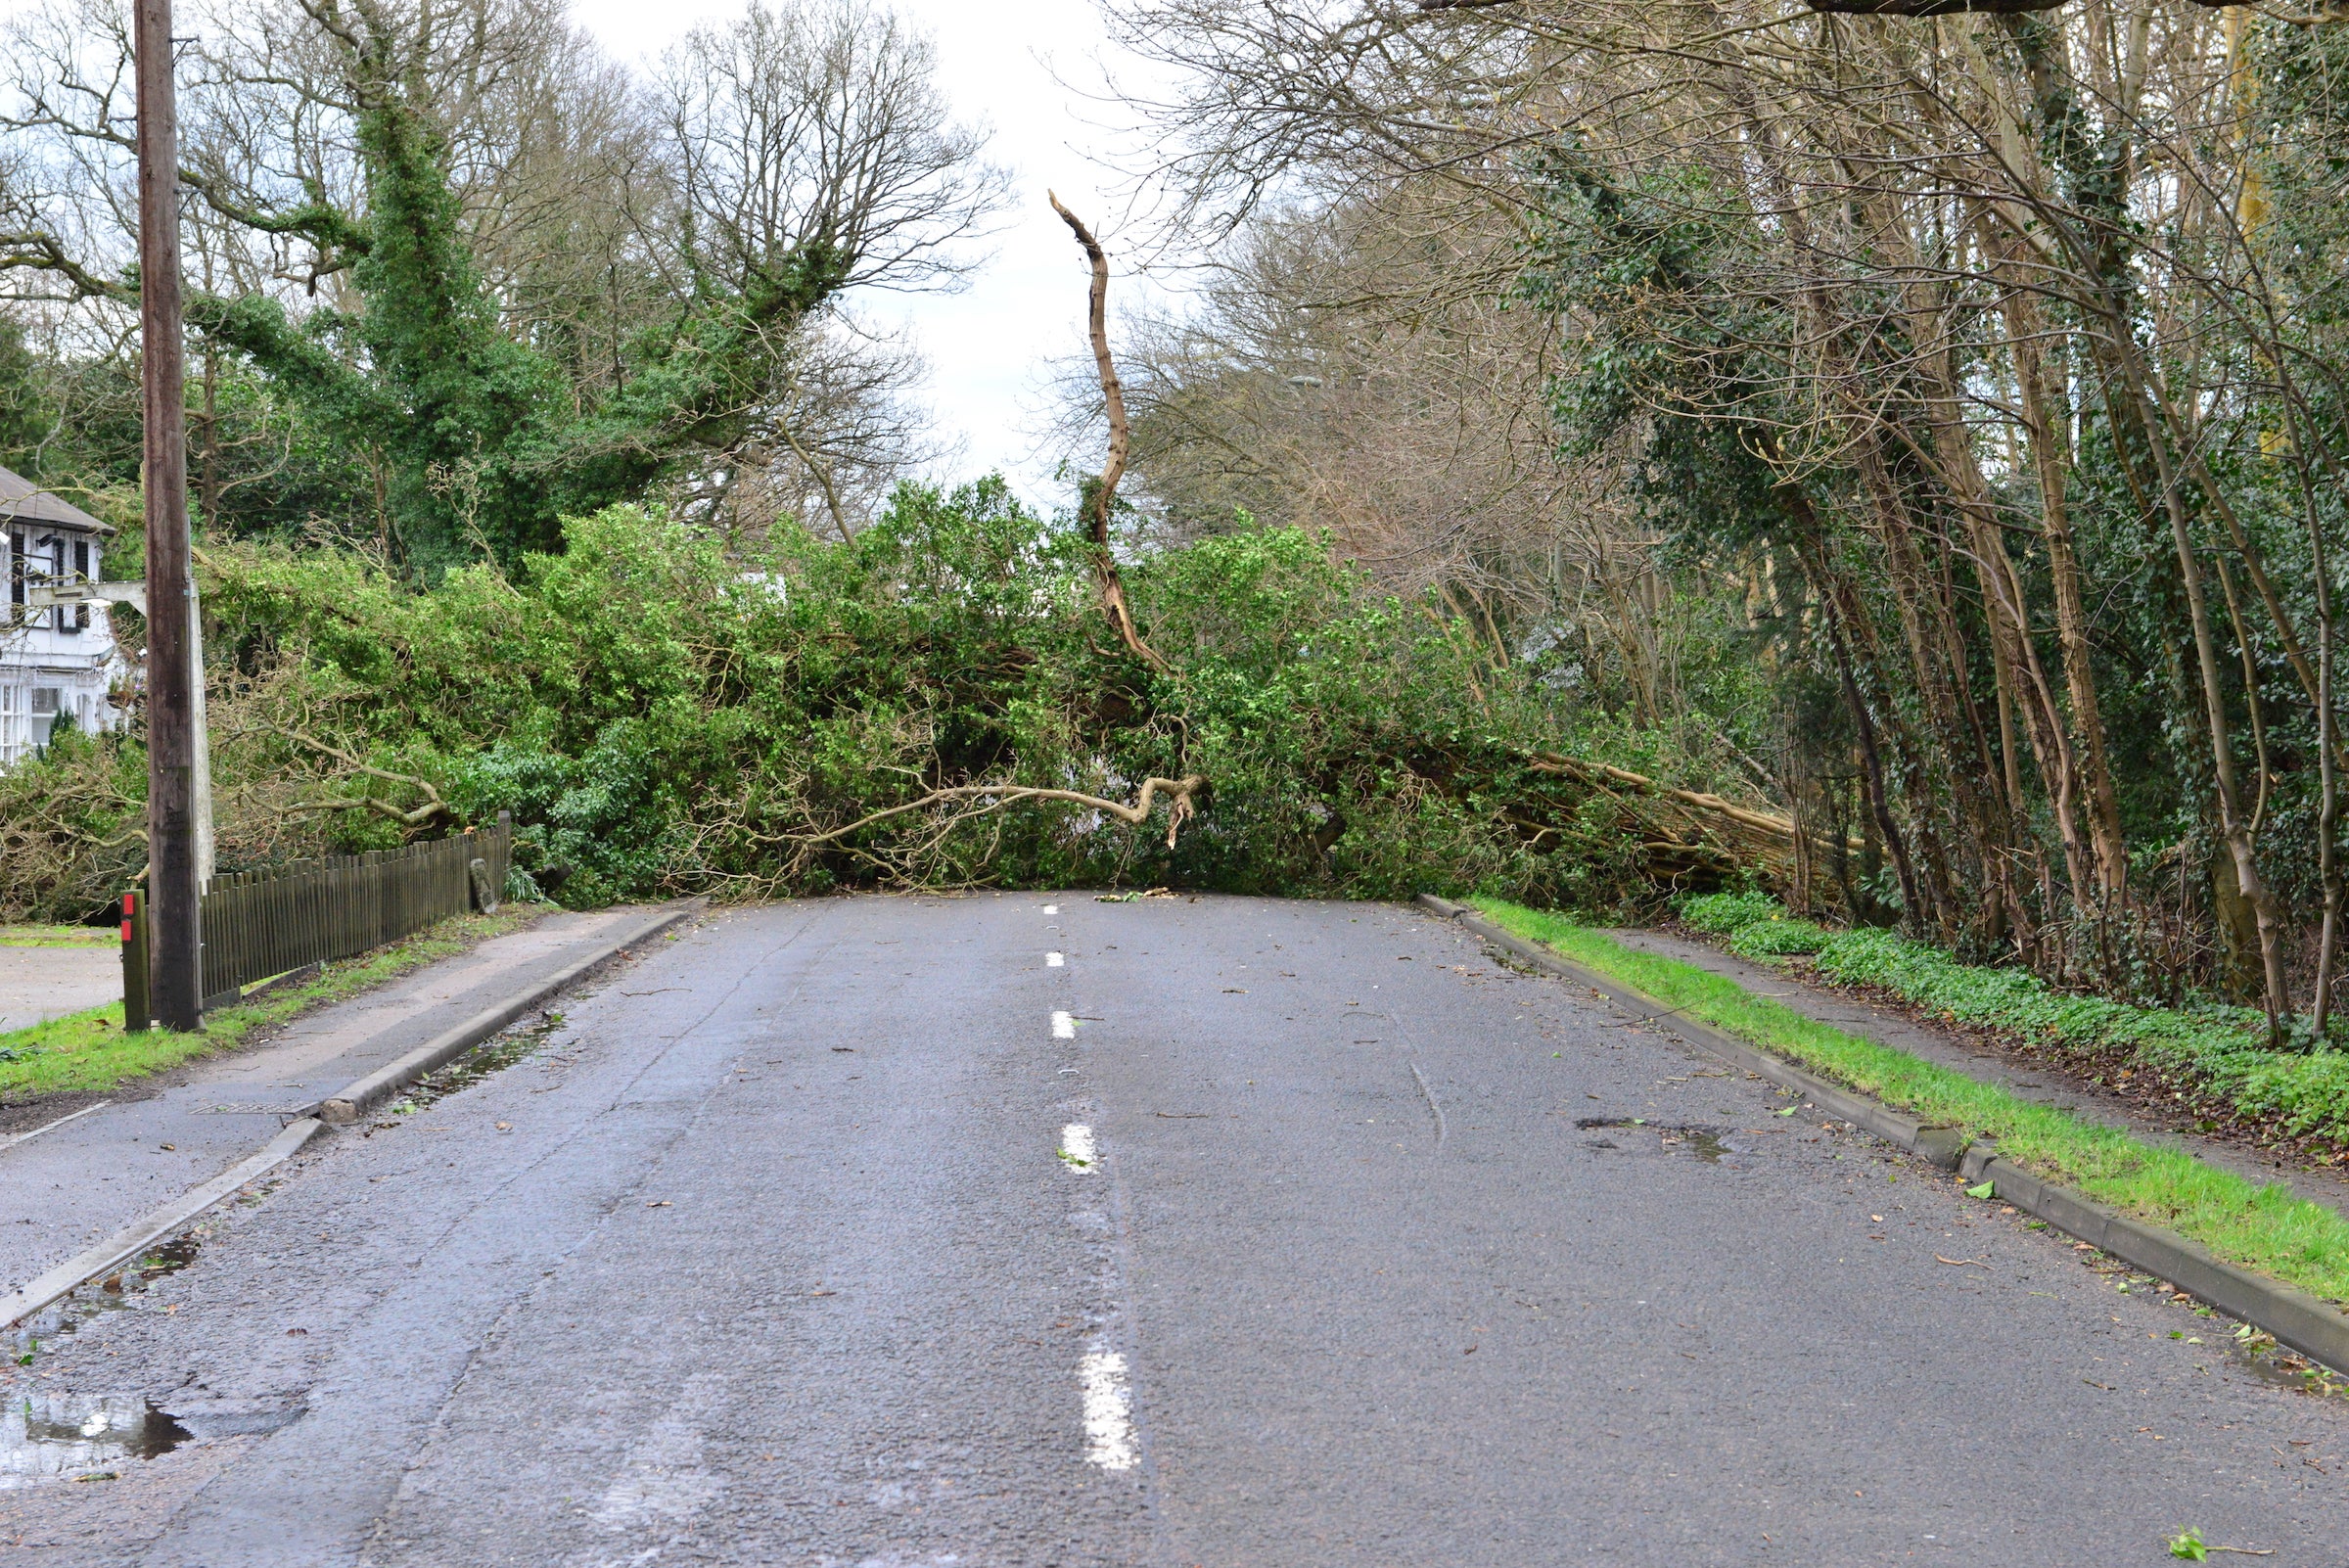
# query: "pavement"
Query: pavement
{"points": [[861, 1232], [66, 1184], [41, 982], [2041, 1083]]}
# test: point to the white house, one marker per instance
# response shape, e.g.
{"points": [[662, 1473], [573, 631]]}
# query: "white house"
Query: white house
{"points": [[54, 661]]}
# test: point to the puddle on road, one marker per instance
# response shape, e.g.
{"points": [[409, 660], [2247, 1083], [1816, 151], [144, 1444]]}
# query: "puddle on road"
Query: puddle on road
{"points": [[80, 1438], [493, 1055], [1702, 1141], [112, 1292], [158, 1262]]}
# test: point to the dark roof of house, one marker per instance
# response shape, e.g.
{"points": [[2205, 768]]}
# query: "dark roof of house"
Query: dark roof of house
{"points": [[23, 501]]}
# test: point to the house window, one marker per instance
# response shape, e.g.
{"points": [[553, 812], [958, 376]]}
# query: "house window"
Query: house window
{"points": [[15, 576], [61, 618], [44, 702], [81, 571]]}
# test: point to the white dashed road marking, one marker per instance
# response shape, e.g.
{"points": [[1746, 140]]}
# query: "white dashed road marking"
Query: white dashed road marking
{"points": [[664, 1481], [1108, 1411], [1076, 1147], [1053, 961], [1063, 1027]]}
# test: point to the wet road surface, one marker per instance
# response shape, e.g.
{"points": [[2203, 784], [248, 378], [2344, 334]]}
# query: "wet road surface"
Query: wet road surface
{"points": [[80, 1177], [1248, 1233]]}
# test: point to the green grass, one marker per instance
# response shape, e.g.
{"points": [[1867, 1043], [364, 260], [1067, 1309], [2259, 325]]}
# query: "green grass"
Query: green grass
{"points": [[2262, 1227], [89, 1050], [58, 937]]}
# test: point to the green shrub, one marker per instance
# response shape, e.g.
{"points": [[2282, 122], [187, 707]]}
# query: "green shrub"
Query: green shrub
{"points": [[1721, 913], [664, 711]]}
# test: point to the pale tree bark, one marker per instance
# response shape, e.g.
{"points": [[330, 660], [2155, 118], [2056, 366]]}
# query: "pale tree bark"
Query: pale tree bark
{"points": [[1120, 444]]}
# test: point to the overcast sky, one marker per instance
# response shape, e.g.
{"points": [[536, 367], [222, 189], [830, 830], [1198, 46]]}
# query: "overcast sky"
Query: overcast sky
{"points": [[1004, 62]]}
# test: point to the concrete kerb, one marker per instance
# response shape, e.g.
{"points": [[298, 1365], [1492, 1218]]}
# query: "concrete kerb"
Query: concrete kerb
{"points": [[145, 1231], [344, 1108], [2314, 1327], [341, 1108]]}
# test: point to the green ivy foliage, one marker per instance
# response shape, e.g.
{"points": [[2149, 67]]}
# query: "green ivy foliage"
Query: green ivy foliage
{"points": [[1728, 913], [1779, 939], [2225, 1049]]}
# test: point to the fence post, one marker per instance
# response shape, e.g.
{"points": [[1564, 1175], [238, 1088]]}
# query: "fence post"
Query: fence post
{"points": [[137, 1012]]}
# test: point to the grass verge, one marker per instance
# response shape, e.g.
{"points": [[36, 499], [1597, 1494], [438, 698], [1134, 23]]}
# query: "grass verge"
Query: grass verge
{"points": [[89, 1050], [2263, 1227], [58, 936]]}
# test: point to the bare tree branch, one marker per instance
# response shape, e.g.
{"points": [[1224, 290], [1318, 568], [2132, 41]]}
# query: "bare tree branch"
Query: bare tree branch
{"points": [[995, 797]]}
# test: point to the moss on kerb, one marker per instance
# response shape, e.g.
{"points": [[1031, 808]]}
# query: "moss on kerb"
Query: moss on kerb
{"points": [[2264, 1228]]}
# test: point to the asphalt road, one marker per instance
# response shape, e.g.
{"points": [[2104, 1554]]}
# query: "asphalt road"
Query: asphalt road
{"points": [[857, 1232], [132, 1150], [41, 982]]}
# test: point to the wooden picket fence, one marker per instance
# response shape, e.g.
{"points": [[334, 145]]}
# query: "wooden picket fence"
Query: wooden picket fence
{"points": [[256, 925]]}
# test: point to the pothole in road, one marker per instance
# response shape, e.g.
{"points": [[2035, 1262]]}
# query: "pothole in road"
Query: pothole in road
{"points": [[80, 1437], [1702, 1141]]}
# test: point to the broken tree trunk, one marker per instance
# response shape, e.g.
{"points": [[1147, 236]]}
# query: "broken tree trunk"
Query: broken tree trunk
{"points": [[1112, 397]]}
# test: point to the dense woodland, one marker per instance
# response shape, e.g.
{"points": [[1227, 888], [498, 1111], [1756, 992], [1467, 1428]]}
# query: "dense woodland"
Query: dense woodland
{"points": [[1900, 460]]}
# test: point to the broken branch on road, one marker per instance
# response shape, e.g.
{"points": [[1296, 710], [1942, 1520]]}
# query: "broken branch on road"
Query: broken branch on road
{"points": [[986, 797]]}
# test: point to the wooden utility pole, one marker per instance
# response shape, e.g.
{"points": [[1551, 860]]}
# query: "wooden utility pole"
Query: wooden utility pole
{"points": [[175, 943]]}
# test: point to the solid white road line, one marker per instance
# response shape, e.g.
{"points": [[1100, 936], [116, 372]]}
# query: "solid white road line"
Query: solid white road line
{"points": [[1051, 908], [1063, 1027], [1077, 1148], [51, 1127], [1053, 961], [1108, 1411]]}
